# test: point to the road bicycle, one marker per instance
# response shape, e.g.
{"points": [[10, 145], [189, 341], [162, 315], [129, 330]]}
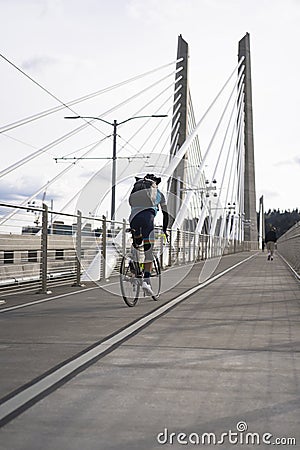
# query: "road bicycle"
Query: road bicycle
{"points": [[132, 274]]}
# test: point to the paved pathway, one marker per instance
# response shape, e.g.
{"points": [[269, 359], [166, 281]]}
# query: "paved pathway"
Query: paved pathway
{"points": [[228, 354]]}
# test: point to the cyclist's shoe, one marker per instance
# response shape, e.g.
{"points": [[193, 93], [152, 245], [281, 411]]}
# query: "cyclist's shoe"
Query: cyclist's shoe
{"points": [[147, 287]]}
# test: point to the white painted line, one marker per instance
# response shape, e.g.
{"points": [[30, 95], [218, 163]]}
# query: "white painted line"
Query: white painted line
{"points": [[48, 299], [28, 394], [290, 267]]}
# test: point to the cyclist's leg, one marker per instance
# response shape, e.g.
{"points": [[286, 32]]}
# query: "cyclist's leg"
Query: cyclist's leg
{"points": [[144, 222], [148, 250], [147, 268], [137, 237], [269, 249], [148, 258], [148, 237]]}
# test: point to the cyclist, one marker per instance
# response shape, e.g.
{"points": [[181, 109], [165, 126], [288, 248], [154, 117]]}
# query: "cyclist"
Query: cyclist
{"points": [[145, 201]]}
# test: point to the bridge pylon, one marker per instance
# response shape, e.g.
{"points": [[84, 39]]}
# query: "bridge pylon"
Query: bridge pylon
{"points": [[179, 128], [250, 217]]}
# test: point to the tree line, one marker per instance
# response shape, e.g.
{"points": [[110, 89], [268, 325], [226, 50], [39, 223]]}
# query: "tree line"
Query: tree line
{"points": [[281, 220]]}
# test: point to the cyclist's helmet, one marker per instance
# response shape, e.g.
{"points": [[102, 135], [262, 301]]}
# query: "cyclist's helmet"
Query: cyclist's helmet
{"points": [[150, 176]]}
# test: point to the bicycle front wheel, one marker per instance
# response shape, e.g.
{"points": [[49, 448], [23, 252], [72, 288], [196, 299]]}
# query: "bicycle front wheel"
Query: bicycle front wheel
{"points": [[129, 283]]}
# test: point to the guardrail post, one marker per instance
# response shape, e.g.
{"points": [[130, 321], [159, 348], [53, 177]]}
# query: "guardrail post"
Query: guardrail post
{"points": [[206, 246], [44, 251], [178, 246], [161, 251], [103, 248], [183, 245], [78, 250], [124, 238], [170, 248]]}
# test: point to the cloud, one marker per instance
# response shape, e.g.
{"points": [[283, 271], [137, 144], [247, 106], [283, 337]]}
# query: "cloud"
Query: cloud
{"points": [[38, 63], [59, 65], [288, 162], [297, 160], [269, 194], [20, 189]]}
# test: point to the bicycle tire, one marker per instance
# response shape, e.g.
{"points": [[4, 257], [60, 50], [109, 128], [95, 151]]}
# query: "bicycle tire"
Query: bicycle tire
{"points": [[129, 282], [156, 285]]}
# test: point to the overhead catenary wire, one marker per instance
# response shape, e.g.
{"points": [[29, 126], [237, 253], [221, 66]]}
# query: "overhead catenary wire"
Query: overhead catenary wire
{"points": [[46, 186]]}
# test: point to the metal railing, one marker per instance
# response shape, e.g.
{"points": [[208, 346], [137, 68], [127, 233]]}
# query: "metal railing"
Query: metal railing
{"points": [[288, 245], [70, 249]]}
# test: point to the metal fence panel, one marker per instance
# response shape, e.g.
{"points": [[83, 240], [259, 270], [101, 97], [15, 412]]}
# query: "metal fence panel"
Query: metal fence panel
{"points": [[288, 246]]}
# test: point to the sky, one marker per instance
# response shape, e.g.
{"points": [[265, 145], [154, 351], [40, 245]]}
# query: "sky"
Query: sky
{"points": [[73, 48]]}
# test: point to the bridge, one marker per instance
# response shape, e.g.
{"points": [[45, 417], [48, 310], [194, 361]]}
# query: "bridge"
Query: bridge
{"points": [[215, 360]]}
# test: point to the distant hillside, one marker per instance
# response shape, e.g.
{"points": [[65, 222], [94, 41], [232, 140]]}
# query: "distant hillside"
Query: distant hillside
{"points": [[282, 221]]}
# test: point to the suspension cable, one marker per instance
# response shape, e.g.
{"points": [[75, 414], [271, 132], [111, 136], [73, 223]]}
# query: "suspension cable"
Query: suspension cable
{"points": [[72, 133], [176, 160], [63, 105], [214, 221], [182, 212]]}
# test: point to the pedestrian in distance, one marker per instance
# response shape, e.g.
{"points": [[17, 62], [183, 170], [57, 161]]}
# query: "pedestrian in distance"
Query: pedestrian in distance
{"points": [[271, 238]]}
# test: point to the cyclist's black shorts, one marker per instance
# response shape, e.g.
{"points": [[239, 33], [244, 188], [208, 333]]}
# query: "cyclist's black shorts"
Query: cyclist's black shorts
{"points": [[143, 224]]}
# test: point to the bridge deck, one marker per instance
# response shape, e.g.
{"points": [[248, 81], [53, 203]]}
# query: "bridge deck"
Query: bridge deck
{"points": [[228, 353]]}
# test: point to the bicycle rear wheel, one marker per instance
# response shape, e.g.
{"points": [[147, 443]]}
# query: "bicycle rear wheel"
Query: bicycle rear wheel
{"points": [[156, 278], [129, 282]]}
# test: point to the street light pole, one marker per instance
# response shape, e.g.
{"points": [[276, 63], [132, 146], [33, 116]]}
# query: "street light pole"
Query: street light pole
{"points": [[114, 173], [114, 124]]}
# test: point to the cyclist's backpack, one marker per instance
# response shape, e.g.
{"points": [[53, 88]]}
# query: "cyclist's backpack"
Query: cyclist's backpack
{"points": [[144, 193]]}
